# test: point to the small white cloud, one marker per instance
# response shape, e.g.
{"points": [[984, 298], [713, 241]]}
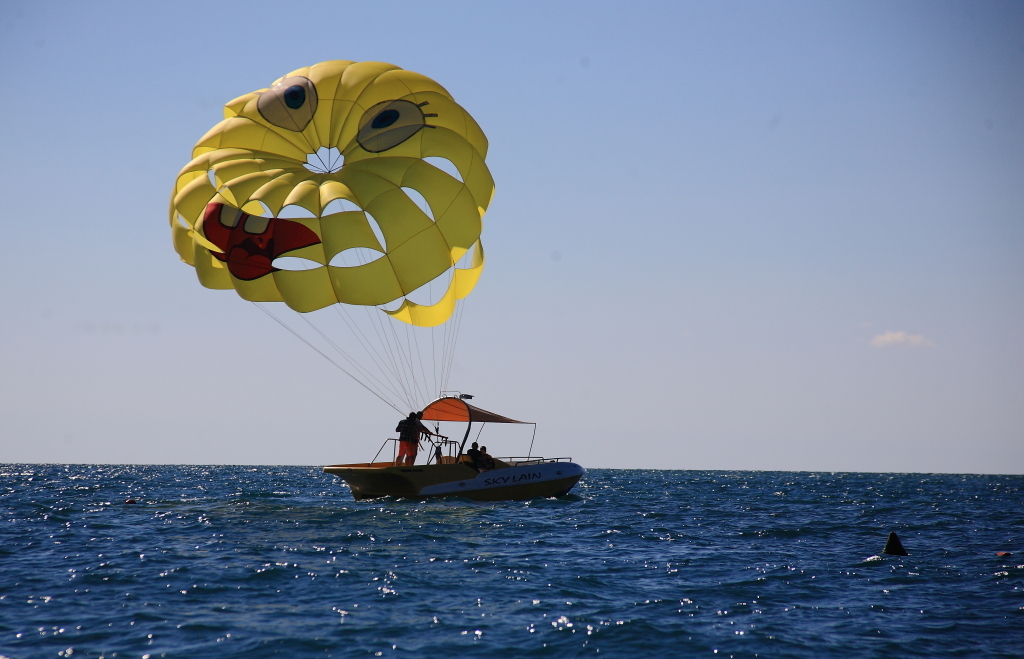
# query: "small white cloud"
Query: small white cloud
{"points": [[900, 338]]}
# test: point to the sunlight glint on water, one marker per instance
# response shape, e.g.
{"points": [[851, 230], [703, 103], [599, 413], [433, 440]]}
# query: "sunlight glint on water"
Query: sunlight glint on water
{"points": [[279, 561]]}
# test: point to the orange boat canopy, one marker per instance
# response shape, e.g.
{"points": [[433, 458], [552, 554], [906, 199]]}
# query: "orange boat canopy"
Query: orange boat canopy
{"points": [[456, 409]]}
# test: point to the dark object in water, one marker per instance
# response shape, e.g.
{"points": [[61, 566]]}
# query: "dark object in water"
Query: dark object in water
{"points": [[1004, 553], [130, 501], [893, 546]]}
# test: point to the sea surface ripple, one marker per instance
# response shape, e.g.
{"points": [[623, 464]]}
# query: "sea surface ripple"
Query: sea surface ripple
{"points": [[240, 561]]}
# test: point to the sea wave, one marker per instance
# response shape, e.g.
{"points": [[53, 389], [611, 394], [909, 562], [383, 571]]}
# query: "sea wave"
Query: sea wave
{"points": [[280, 561]]}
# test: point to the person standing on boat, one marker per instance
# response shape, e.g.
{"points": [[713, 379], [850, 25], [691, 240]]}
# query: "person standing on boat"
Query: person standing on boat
{"points": [[424, 431], [410, 430]]}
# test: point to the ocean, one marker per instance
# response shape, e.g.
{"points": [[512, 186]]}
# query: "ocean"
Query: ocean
{"points": [[242, 561]]}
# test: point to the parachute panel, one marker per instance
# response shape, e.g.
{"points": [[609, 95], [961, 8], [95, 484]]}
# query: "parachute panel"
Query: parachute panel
{"points": [[263, 289], [307, 195], [211, 272], [370, 285], [346, 230], [191, 201], [462, 283], [423, 315], [306, 290], [465, 279], [421, 259], [273, 193], [398, 217]]}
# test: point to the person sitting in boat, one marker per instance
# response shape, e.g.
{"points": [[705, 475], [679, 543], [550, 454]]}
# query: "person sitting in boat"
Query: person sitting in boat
{"points": [[486, 461], [410, 430], [475, 455]]}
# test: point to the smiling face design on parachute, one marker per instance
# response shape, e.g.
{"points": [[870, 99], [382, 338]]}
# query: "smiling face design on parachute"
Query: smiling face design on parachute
{"points": [[335, 163]]}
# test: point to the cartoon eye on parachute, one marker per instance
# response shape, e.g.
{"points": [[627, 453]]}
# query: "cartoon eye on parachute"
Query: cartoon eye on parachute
{"points": [[343, 183]]}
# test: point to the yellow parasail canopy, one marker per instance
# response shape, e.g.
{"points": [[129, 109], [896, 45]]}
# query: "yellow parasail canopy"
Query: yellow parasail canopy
{"points": [[345, 142]]}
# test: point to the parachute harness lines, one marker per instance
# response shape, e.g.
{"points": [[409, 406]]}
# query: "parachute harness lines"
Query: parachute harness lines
{"points": [[345, 184], [393, 366], [318, 351]]}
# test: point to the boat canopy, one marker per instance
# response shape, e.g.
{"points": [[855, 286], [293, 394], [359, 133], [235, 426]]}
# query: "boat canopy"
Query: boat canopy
{"points": [[450, 408]]}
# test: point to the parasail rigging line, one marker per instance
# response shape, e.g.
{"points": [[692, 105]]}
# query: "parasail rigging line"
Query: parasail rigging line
{"points": [[355, 364], [397, 372], [353, 327], [412, 365], [433, 350], [449, 328], [364, 342], [383, 339], [444, 353], [407, 362], [449, 334], [455, 339], [381, 361], [336, 364], [423, 370], [453, 333]]}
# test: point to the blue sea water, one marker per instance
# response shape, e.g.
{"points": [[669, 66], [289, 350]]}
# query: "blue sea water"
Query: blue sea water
{"points": [[234, 561]]}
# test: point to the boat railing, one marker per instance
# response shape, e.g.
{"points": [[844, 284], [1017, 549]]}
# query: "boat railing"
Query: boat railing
{"points": [[451, 445], [394, 450], [516, 461], [441, 442]]}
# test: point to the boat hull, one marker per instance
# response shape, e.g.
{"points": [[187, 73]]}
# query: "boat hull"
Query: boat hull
{"points": [[514, 483]]}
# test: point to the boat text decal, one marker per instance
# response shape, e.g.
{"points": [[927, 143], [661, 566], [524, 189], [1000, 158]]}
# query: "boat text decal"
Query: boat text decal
{"points": [[511, 479]]}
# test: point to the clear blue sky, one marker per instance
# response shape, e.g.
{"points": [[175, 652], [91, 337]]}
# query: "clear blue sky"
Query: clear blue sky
{"points": [[725, 235]]}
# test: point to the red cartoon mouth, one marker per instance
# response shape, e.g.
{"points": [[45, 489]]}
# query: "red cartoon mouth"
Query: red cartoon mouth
{"points": [[250, 243]]}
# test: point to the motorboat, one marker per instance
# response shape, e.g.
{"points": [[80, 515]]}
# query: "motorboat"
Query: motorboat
{"points": [[451, 472]]}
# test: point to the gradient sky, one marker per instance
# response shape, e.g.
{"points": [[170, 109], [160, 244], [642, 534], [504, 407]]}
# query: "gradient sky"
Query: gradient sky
{"points": [[771, 235]]}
